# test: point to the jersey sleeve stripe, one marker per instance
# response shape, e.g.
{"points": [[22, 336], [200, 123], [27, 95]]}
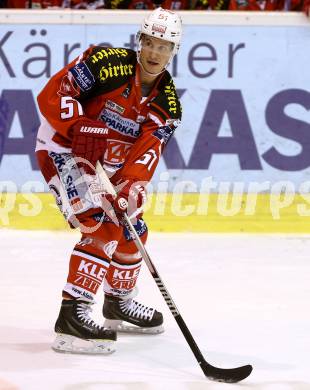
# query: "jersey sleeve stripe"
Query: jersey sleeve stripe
{"points": [[159, 111]]}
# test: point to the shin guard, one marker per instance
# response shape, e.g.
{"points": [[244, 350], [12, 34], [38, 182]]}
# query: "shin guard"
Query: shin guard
{"points": [[121, 279], [86, 274]]}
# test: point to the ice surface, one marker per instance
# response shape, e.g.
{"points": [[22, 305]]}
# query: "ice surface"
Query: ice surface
{"points": [[245, 299]]}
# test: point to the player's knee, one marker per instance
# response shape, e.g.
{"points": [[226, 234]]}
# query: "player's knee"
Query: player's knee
{"points": [[104, 248], [102, 239], [127, 255]]}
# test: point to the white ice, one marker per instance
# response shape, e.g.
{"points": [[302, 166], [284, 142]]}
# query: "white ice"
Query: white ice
{"points": [[245, 298]]}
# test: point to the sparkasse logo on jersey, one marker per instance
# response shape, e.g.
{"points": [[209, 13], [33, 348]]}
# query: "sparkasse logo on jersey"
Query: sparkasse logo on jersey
{"points": [[122, 125]]}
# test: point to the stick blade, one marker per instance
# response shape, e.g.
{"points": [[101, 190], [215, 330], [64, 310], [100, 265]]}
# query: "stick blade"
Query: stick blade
{"points": [[227, 375]]}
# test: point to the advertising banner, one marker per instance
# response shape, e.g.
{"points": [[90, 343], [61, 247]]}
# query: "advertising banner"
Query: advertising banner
{"points": [[245, 92]]}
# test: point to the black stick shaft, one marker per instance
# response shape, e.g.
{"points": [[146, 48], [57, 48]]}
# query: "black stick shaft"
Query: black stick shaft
{"points": [[177, 316], [164, 292]]}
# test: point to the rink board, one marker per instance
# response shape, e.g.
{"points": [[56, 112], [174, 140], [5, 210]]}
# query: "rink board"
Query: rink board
{"points": [[245, 116], [258, 136], [215, 213]]}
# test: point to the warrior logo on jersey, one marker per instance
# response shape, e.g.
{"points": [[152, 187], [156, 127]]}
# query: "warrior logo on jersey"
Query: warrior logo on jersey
{"points": [[82, 76], [118, 123]]}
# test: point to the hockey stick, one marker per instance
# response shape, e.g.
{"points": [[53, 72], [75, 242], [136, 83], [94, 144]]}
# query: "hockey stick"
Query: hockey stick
{"points": [[228, 375]]}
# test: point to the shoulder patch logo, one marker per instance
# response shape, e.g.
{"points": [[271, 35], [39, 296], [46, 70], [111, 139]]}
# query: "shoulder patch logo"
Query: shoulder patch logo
{"points": [[82, 76], [164, 133], [67, 87]]}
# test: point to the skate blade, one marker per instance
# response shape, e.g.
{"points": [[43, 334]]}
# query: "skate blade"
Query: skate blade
{"points": [[124, 327], [69, 344]]}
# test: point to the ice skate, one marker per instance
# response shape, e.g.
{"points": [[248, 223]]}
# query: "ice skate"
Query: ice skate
{"points": [[118, 312], [78, 333]]}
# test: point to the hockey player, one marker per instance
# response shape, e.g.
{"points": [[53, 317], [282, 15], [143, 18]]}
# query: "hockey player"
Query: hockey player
{"points": [[120, 107]]}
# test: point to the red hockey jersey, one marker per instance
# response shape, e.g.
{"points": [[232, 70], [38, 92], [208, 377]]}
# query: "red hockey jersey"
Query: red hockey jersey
{"points": [[103, 84]]}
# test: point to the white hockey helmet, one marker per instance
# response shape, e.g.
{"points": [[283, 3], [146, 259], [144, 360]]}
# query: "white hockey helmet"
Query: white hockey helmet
{"points": [[163, 24]]}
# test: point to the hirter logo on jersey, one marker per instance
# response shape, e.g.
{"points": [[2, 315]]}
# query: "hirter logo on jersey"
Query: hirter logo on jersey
{"points": [[107, 52], [82, 76], [171, 97]]}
